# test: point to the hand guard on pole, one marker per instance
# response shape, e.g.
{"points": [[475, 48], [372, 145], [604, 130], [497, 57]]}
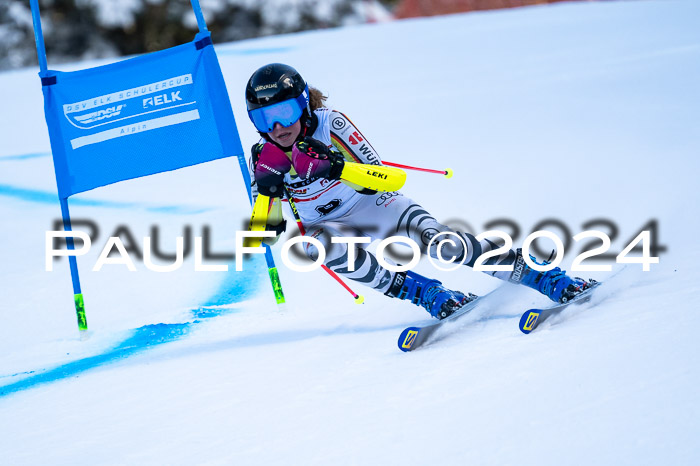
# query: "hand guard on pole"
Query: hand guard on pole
{"points": [[313, 159], [270, 167]]}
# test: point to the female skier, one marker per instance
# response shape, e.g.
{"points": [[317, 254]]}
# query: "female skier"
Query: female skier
{"points": [[301, 154]]}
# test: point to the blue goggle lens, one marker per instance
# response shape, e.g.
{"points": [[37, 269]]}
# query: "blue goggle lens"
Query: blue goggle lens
{"points": [[285, 113]]}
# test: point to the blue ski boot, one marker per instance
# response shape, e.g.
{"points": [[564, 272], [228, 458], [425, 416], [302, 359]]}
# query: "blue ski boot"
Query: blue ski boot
{"points": [[554, 284], [428, 293]]}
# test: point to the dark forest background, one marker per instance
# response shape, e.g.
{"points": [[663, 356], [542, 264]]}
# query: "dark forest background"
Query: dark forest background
{"points": [[84, 29]]}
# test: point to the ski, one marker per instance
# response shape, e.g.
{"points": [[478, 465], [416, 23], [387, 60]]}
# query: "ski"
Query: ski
{"points": [[414, 337], [532, 318]]}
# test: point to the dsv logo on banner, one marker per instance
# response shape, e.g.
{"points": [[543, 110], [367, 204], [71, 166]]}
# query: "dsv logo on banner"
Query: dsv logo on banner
{"points": [[131, 103]]}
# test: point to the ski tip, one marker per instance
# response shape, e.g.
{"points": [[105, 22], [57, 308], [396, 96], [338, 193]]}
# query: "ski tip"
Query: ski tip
{"points": [[407, 338], [528, 321]]}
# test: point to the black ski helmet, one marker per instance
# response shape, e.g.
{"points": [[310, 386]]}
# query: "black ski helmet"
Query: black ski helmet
{"points": [[272, 84]]}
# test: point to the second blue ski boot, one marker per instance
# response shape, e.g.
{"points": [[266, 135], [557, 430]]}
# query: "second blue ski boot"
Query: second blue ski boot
{"points": [[554, 284], [439, 301]]}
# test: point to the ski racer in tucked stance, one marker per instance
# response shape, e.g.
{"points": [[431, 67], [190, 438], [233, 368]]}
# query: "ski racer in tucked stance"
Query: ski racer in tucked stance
{"points": [[302, 152]]}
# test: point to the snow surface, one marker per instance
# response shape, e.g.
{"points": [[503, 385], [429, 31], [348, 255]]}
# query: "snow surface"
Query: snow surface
{"points": [[570, 111]]}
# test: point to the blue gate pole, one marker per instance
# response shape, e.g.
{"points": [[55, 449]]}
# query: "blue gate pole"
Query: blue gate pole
{"points": [[198, 14], [77, 293], [38, 35], [271, 268]]}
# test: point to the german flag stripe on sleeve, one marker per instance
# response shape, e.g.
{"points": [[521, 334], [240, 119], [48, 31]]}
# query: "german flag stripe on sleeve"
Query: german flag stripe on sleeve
{"points": [[344, 149], [349, 140]]}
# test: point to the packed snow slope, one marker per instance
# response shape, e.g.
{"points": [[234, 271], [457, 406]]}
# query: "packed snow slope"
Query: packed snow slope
{"points": [[574, 112]]}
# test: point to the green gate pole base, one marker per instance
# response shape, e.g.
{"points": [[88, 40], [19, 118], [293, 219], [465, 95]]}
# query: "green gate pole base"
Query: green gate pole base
{"points": [[276, 285], [80, 313]]}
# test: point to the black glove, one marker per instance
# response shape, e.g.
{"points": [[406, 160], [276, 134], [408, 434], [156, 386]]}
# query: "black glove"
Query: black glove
{"points": [[313, 159], [271, 163]]}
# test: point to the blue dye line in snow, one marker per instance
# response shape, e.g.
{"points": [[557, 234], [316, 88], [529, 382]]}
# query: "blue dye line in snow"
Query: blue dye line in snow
{"points": [[48, 197], [236, 287], [139, 340], [15, 375], [36, 155]]}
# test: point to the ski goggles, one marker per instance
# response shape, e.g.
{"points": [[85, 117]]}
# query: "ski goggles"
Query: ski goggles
{"points": [[285, 113]]}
